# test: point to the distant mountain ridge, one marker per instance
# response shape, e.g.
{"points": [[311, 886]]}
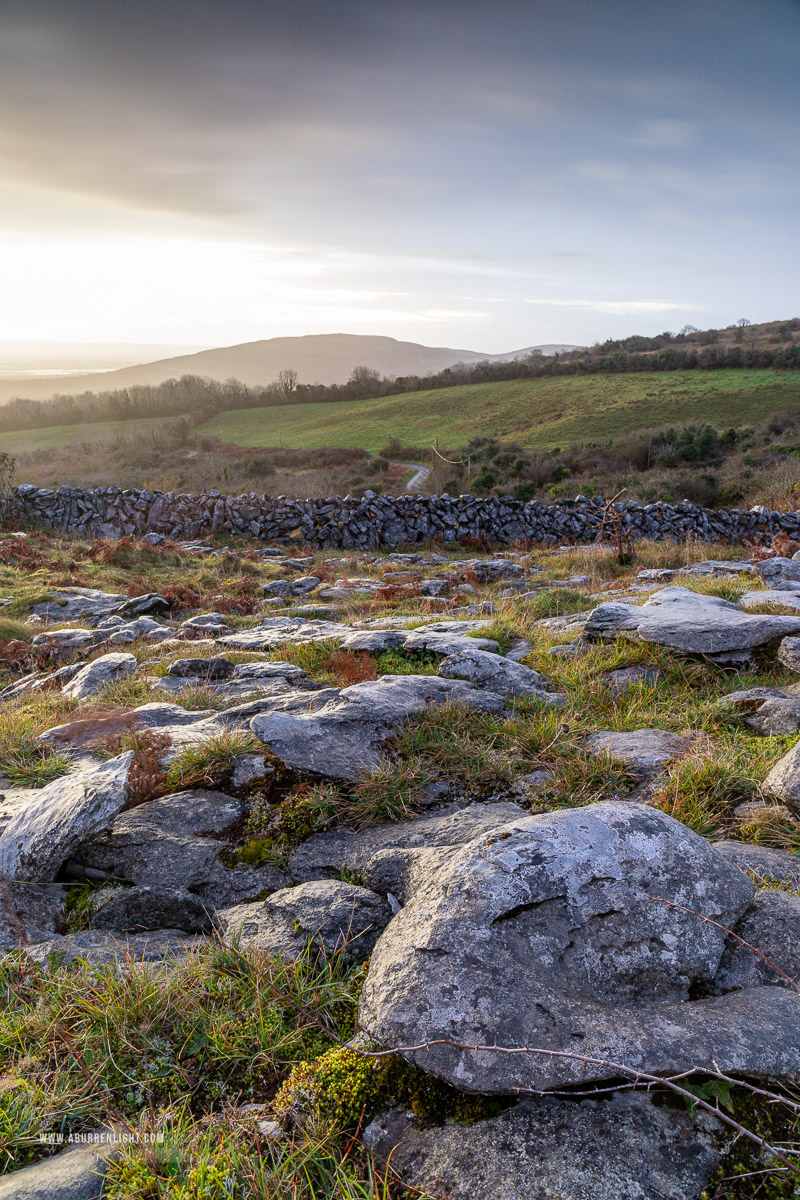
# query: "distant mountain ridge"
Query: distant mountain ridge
{"points": [[317, 358]]}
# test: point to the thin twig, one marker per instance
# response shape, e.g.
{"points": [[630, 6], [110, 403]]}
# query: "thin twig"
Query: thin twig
{"points": [[613, 1068]]}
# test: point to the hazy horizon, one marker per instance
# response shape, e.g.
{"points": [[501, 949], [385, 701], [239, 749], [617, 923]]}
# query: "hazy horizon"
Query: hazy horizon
{"points": [[451, 173]]}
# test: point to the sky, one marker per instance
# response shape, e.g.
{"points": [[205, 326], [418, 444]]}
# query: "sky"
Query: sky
{"points": [[484, 174]]}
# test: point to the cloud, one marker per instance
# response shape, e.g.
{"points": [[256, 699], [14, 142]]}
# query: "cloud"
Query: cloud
{"points": [[619, 307]]}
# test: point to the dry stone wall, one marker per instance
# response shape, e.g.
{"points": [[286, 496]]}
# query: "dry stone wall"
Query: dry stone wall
{"points": [[372, 520]]}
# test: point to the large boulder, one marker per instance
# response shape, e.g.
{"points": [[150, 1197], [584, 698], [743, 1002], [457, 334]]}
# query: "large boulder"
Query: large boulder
{"points": [[62, 815], [586, 934], [690, 623], [327, 915], [344, 739], [622, 1148]]}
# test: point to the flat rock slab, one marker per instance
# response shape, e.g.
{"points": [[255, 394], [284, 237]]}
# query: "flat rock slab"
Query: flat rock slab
{"points": [[344, 739], [100, 947], [763, 862], [644, 750], [201, 668], [438, 637], [65, 642], [59, 817], [782, 599], [624, 1148], [73, 604], [690, 623], [326, 854], [328, 916], [719, 567], [552, 932]]}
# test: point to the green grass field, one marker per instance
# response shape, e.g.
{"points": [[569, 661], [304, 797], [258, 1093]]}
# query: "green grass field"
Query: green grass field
{"points": [[535, 413], [69, 435]]}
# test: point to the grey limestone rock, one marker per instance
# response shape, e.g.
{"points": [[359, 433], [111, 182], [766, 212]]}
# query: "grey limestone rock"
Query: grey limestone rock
{"points": [[789, 652], [778, 570], [772, 926], [492, 673], [543, 1148], [59, 817], [691, 623], [561, 932], [176, 842], [29, 912], [776, 717], [101, 947], [783, 781], [621, 681], [76, 1173], [763, 862], [773, 597], [150, 605], [138, 909], [92, 678], [325, 854], [201, 668], [75, 604], [344, 738], [644, 750], [65, 642], [326, 914]]}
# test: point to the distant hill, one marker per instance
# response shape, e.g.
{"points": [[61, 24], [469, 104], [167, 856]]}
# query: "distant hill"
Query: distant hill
{"points": [[317, 358]]}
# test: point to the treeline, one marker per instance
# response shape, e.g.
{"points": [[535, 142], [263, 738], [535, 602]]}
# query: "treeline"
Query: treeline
{"points": [[190, 395], [199, 398]]}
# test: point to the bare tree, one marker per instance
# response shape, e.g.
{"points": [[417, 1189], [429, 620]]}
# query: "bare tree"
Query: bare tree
{"points": [[287, 381], [364, 380]]}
